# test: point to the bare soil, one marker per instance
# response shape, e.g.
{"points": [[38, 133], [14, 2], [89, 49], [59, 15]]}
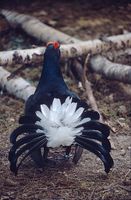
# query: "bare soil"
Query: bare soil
{"points": [[87, 180]]}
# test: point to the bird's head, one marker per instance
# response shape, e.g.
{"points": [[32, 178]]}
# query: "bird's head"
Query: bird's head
{"points": [[52, 51]]}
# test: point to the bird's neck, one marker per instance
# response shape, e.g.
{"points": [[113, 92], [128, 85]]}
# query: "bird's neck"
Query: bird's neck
{"points": [[51, 70], [50, 73]]}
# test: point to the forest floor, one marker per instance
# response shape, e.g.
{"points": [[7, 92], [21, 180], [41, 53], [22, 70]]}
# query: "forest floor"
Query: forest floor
{"points": [[86, 180]]}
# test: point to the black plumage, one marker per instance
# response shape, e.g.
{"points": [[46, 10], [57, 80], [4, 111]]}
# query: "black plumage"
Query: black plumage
{"points": [[31, 135]]}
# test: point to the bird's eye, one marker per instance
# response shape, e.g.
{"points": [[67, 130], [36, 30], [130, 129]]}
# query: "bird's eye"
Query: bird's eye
{"points": [[50, 45]]}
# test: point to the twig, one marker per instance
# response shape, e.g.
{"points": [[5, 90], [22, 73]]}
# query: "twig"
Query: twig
{"points": [[92, 194], [90, 95], [128, 172], [80, 73], [88, 89], [128, 189], [15, 72]]}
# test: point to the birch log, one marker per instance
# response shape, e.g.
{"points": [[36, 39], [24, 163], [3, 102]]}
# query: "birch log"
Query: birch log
{"points": [[16, 86], [96, 46], [36, 28], [21, 56], [111, 70], [119, 42]]}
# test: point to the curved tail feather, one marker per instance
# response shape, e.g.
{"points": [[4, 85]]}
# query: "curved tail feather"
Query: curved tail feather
{"points": [[30, 146], [98, 136], [93, 115], [38, 145], [22, 141], [96, 125], [14, 155], [26, 128], [28, 119], [98, 150]]}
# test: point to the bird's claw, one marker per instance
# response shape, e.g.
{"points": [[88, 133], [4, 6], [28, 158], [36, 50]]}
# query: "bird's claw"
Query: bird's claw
{"points": [[67, 157]]}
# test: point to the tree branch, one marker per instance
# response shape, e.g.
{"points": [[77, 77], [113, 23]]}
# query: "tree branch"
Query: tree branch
{"points": [[88, 90]]}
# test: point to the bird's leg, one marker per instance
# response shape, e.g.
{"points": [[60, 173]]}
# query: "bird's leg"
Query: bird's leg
{"points": [[46, 151], [37, 157], [67, 153], [78, 153], [46, 161]]}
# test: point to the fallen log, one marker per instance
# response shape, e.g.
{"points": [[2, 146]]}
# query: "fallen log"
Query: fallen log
{"points": [[96, 46], [36, 28], [69, 50], [110, 70], [21, 56], [121, 56], [16, 86]]}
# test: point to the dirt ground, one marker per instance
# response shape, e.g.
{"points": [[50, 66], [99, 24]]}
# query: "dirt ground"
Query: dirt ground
{"points": [[87, 180]]}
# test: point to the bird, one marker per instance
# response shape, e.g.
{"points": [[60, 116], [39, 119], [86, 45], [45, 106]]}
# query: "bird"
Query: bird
{"points": [[54, 116]]}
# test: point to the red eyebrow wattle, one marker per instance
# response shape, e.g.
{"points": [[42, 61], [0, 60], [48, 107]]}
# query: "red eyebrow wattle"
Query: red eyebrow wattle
{"points": [[55, 44]]}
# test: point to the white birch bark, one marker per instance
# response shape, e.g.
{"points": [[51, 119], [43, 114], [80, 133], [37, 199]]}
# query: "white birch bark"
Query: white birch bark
{"points": [[21, 56], [36, 28], [119, 42], [16, 86], [70, 50], [111, 70]]}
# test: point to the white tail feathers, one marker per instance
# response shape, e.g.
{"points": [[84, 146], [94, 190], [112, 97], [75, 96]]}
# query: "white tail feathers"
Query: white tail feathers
{"points": [[60, 122]]}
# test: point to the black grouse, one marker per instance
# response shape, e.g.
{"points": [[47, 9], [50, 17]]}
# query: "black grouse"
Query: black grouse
{"points": [[55, 116]]}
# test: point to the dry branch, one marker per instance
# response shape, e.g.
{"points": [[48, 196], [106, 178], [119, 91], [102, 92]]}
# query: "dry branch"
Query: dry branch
{"points": [[16, 86], [111, 70], [82, 77], [88, 89]]}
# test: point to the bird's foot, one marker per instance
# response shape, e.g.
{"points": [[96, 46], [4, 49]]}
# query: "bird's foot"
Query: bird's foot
{"points": [[67, 157]]}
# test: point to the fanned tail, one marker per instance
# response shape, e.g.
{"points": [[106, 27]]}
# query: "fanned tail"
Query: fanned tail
{"points": [[63, 124]]}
